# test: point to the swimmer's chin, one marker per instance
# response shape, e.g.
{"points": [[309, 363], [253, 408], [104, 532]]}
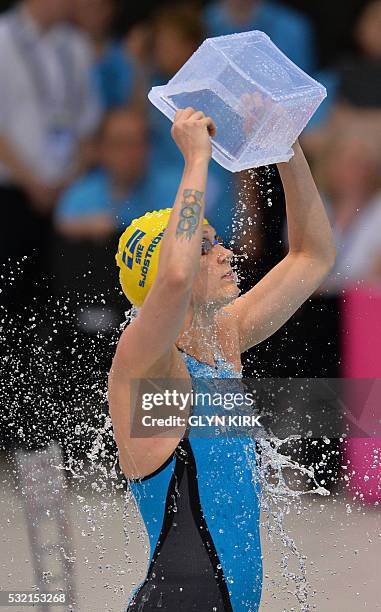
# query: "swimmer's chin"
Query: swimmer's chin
{"points": [[231, 286], [229, 294], [234, 294]]}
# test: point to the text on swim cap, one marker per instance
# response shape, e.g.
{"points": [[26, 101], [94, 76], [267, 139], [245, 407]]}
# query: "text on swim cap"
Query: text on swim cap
{"points": [[147, 260]]}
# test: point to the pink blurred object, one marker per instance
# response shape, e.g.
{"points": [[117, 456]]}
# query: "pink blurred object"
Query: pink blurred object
{"points": [[361, 342]]}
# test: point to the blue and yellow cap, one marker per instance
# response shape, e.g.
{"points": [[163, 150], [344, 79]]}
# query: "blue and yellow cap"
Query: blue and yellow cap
{"points": [[138, 253]]}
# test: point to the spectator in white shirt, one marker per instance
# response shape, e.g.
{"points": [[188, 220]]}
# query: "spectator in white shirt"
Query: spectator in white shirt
{"points": [[349, 177], [48, 110], [348, 174]]}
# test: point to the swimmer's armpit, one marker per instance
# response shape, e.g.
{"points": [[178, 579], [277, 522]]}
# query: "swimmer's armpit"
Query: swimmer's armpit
{"points": [[190, 213]]}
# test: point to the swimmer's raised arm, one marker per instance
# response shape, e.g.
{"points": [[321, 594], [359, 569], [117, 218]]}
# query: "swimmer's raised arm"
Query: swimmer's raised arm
{"points": [[152, 335], [181, 245], [266, 307]]}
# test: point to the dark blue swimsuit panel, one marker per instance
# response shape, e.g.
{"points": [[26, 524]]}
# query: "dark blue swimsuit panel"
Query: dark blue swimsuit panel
{"points": [[201, 510]]}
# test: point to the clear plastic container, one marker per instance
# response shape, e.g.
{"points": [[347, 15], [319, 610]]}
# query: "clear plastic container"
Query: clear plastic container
{"points": [[259, 99]]}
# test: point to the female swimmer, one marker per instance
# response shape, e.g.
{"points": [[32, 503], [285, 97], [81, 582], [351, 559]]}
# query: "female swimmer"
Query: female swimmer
{"points": [[196, 494]]}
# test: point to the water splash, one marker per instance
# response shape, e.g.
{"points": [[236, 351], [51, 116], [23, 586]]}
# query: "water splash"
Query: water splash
{"points": [[278, 499], [40, 388]]}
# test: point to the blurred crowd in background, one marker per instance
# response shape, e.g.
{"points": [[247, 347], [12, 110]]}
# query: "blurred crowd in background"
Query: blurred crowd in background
{"points": [[83, 152]]}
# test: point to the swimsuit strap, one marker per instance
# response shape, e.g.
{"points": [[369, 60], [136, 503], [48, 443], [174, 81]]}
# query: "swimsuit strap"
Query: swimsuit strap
{"points": [[222, 365], [216, 357]]}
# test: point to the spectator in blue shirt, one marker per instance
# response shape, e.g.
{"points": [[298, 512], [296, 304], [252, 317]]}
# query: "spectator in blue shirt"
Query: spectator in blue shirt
{"points": [[115, 71], [127, 184], [287, 28], [177, 33], [122, 188]]}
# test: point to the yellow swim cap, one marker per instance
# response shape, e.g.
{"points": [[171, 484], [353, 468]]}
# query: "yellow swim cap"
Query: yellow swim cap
{"points": [[138, 253]]}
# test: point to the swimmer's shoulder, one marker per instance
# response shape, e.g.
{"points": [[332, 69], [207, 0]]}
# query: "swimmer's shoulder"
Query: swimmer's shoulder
{"points": [[142, 456], [122, 378], [170, 365]]}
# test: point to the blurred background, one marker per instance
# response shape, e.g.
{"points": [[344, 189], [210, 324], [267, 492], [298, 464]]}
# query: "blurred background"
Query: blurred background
{"points": [[82, 153]]}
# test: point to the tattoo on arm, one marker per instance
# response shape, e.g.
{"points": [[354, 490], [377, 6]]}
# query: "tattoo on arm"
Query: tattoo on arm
{"points": [[189, 213]]}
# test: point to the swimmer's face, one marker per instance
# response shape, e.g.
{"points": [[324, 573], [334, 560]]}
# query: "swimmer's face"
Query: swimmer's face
{"points": [[215, 281]]}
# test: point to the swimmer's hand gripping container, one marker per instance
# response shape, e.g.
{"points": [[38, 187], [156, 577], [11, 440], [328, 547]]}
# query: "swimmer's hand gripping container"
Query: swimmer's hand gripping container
{"points": [[259, 99]]}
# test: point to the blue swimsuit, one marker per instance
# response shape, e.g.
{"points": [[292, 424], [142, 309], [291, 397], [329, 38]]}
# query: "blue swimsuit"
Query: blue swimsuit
{"points": [[201, 511]]}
